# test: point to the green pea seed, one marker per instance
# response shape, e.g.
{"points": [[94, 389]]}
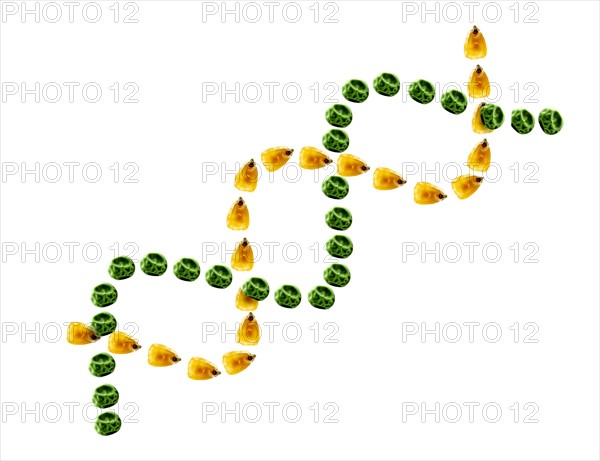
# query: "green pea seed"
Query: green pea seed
{"points": [[339, 246], [337, 275], [338, 218], [219, 276], [256, 288], [121, 268], [387, 84], [492, 116], [321, 297], [551, 121], [336, 140], [339, 115], [335, 187], [288, 296], [355, 91], [105, 396], [454, 102], [422, 91], [104, 323], [522, 121], [104, 295], [187, 269], [154, 264], [107, 423], [102, 364]]}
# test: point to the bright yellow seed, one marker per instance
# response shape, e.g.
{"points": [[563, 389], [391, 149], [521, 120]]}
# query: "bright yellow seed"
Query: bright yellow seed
{"points": [[201, 369], [479, 84], [480, 157], [243, 257], [386, 179], [247, 178], [350, 165], [122, 343], [248, 333], [466, 185], [245, 303], [428, 194], [478, 126], [237, 361], [312, 158], [162, 356], [238, 217], [475, 47], [275, 157], [79, 333]]}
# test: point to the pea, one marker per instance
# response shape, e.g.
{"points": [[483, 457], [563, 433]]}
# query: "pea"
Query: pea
{"points": [[105, 396], [102, 364], [422, 91], [339, 115], [336, 140], [104, 323], [454, 102], [256, 288], [321, 297], [522, 121], [187, 269], [154, 264], [335, 187], [339, 246], [492, 116], [338, 218], [219, 276], [121, 268], [355, 91], [288, 296], [551, 121], [387, 84], [104, 295], [107, 423], [337, 275]]}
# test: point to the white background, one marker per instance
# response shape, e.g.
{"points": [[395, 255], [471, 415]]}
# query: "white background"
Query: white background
{"points": [[370, 373]]}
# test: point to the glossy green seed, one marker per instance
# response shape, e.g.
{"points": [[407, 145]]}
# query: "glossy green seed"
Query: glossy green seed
{"points": [[104, 295], [339, 115], [218, 276], [337, 275], [187, 269], [256, 288], [492, 116], [104, 323], [288, 296], [107, 423], [522, 121], [338, 218], [321, 297], [454, 102], [336, 140], [121, 268], [339, 246], [335, 187], [387, 84], [422, 91], [551, 121], [355, 91], [105, 396], [154, 264], [102, 364]]}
